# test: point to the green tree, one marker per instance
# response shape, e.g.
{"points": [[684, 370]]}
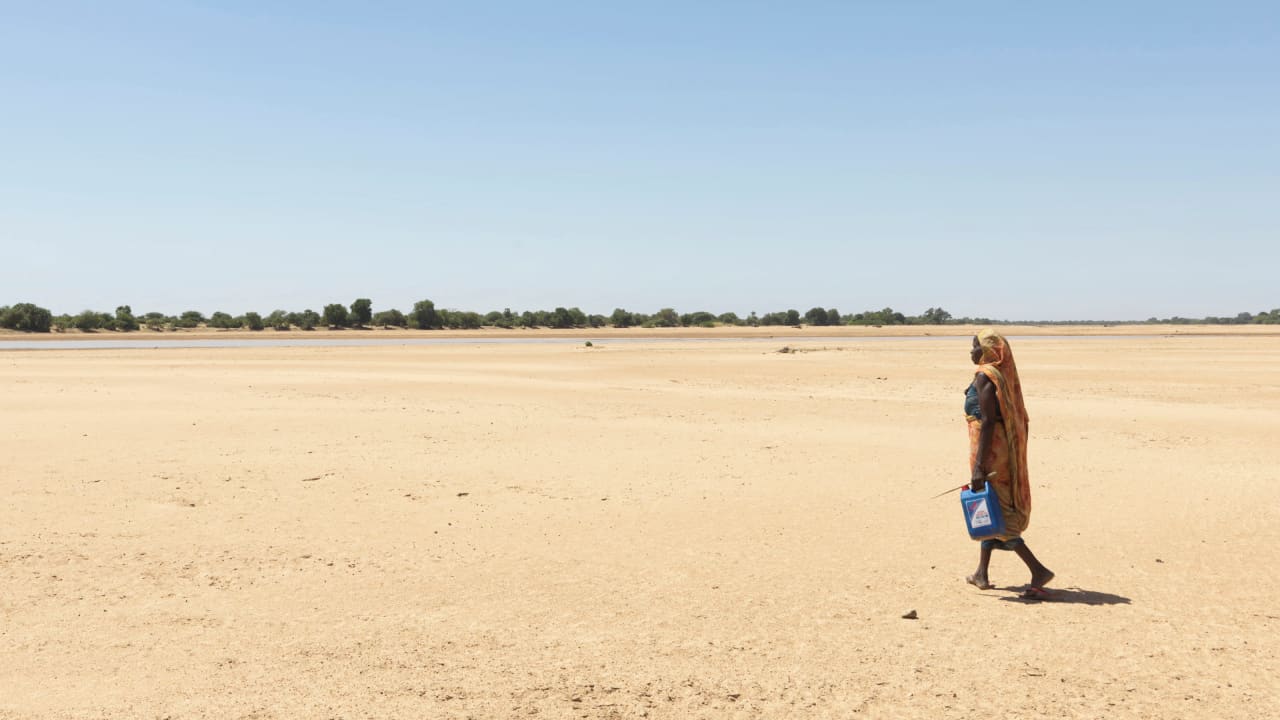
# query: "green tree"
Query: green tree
{"points": [[621, 318], [124, 319], [224, 321], [729, 318], [190, 319], [816, 316], [307, 319], [27, 317], [468, 320], [253, 321], [278, 320], [361, 312], [666, 317], [504, 319], [390, 318], [87, 321], [792, 318], [701, 318], [886, 316], [154, 321], [561, 318], [833, 316], [335, 315], [425, 316], [935, 316]]}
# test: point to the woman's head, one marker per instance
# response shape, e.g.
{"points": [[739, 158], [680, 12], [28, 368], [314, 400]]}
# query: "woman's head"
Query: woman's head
{"points": [[991, 352], [989, 348]]}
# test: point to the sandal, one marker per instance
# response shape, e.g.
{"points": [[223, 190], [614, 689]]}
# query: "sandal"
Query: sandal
{"points": [[1035, 593]]}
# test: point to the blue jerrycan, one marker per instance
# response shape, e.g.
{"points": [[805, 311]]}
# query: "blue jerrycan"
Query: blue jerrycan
{"points": [[982, 514]]}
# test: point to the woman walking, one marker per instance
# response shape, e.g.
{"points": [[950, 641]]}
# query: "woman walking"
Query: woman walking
{"points": [[997, 419]]}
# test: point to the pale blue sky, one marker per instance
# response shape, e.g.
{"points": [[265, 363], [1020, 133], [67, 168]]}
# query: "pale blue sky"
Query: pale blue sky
{"points": [[1012, 160]]}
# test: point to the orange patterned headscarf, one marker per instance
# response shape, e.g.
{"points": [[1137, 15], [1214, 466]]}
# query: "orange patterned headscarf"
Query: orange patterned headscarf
{"points": [[998, 365]]}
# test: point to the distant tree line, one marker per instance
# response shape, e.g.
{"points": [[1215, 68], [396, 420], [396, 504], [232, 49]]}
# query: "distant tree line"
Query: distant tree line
{"points": [[425, 315]]}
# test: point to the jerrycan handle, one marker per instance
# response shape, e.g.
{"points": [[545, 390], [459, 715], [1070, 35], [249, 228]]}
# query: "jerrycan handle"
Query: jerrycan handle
{"points": [[986, 485]]}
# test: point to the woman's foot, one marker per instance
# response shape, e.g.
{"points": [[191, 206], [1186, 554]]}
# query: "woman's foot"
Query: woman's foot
{"points": [[980, 581], [1041, 578]]}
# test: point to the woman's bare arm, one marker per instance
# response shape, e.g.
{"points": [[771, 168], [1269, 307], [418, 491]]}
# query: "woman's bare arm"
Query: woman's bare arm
{"points": [[990, 405]]}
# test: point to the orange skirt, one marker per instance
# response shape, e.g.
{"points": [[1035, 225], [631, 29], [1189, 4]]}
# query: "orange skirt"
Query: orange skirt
{"points": [[997, 460]]}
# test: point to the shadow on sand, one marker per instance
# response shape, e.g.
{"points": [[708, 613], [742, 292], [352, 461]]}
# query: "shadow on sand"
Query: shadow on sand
{"points": [[1073, 595]]}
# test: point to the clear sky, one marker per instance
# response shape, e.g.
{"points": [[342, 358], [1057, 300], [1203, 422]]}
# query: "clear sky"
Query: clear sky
{"points": [[1083, 160]]}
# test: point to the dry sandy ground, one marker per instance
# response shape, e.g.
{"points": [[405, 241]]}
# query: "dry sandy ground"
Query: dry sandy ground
{"points": [[633, 530]]}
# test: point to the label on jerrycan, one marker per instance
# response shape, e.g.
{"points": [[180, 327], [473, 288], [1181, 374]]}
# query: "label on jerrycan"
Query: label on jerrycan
{"points": [[979, 516]]}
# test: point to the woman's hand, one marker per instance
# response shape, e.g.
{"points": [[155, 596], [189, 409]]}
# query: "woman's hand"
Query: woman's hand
{"points": [[978, 481]]}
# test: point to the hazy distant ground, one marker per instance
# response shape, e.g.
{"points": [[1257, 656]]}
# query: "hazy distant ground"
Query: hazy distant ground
{"points": [[663, 530]]}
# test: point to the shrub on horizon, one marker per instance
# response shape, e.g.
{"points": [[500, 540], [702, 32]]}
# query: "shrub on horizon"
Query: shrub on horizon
{"points": [[124, 320], [224, 321], [307, 319], [425, 316], [390, 318], [361, 312], [335, 315], [697, 319], [87, 321], [666, 317], [26, 317], [621, 318], [278, 320]]}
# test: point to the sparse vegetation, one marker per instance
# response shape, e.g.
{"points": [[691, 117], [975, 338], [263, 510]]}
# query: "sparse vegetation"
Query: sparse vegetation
{"points": [[124, 320], [224, 321], [28, 317], [424, 316], [390, 318], [336, 315], [361, 312]]}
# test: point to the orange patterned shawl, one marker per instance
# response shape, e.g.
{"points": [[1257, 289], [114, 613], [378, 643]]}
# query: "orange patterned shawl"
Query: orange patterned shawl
{"points": [[998, 365]]}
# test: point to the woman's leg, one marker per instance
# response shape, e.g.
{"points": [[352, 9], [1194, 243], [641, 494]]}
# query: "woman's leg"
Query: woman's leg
{"points": [[1040, 575], [979, 576]]}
